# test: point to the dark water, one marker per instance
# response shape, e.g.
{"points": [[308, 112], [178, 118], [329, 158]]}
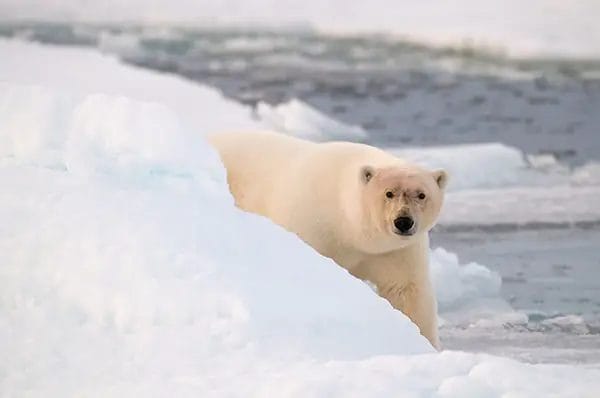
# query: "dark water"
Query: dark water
{"points": [[405, 93]]}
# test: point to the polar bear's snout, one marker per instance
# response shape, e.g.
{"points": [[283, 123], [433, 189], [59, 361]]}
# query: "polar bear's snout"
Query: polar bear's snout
{"points": [[405, 226]]}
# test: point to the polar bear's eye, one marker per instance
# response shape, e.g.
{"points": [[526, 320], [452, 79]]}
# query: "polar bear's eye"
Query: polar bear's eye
{"points": [[389, 194], [422, 196]]}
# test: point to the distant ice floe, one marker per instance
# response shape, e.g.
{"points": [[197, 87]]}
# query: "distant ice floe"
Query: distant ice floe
{"points": [[119, 43], [300, 119], [561, 206], [488, 165], [494, 186]]}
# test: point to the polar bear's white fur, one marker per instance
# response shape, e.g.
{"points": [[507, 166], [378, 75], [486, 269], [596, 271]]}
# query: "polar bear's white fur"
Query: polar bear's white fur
{"points": [[364, 208]]}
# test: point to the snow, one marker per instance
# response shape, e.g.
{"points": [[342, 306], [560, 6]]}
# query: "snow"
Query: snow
{"points": [[300, 119], [81, 70], [127, 271], [538, 28]]}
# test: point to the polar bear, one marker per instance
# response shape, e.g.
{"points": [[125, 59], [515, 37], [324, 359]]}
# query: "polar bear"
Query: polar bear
{"points": [[367, 210]]}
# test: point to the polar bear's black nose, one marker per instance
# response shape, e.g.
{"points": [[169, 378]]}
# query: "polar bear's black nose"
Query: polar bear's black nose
{"points": [[404, 224]]}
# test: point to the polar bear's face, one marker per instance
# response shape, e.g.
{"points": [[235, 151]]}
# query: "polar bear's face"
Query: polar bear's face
{"points": [[401, 203]]}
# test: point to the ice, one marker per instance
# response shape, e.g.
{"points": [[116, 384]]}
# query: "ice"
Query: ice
{"points": [[456, 284], [469, 294], [119, 43], [537, 28], [588, 174], [127, 271], [300, 119], [483, 165], [521, 207], [254, 44], [495, 165], [568, 323]]}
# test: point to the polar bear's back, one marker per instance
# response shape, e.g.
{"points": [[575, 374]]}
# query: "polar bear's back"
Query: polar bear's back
{"points": [[256, 164], [268, 147], [301, 185]]}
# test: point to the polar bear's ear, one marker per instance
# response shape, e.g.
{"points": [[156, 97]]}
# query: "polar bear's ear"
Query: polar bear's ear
{"points": [[441, 178], [366, 173]]}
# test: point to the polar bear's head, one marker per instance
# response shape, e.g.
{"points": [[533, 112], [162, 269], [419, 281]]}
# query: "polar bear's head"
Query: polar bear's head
{"points": [[399, 204]]}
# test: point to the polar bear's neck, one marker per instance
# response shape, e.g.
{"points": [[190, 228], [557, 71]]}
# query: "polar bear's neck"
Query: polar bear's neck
{"points": [[397, 269]]}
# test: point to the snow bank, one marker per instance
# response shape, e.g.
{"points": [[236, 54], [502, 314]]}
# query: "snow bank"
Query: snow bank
{"points": [[523, 29], [298, 118], [86, 135], [127, 271]]}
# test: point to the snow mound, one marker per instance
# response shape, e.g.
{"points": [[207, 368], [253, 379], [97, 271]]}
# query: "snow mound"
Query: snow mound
{"points": [[83, 71], [298, 118], [133, 259], [115, 139], [95, 133]]}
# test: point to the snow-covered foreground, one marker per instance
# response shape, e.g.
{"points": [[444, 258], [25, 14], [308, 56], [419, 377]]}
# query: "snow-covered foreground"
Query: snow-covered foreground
{"points": [[127, 271], [532, 28]]}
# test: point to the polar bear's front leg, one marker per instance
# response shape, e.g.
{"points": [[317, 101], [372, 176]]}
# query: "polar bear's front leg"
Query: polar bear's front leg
{"points": [[402, 278], [416, 301]]}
